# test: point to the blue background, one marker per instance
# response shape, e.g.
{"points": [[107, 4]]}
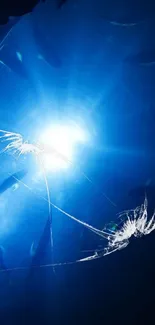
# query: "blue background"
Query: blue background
{"points": [[90, 80]]}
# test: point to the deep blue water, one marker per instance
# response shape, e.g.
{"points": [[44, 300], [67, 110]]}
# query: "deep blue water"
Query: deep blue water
{"points": [[89, 80]]}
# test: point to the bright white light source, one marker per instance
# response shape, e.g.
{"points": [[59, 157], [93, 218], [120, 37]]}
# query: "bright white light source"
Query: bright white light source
{"points": [[60, 141]]}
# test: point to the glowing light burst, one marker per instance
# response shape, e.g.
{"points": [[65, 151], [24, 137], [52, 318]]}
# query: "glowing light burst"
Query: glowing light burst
{"points": [[51, 151], [59, 142], [135, 222], [55, 145]]}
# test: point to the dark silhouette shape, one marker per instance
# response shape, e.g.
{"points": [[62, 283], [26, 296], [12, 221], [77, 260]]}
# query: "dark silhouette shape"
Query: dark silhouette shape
{"points": [[10, 13], [15, 8], [12, 180]]}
